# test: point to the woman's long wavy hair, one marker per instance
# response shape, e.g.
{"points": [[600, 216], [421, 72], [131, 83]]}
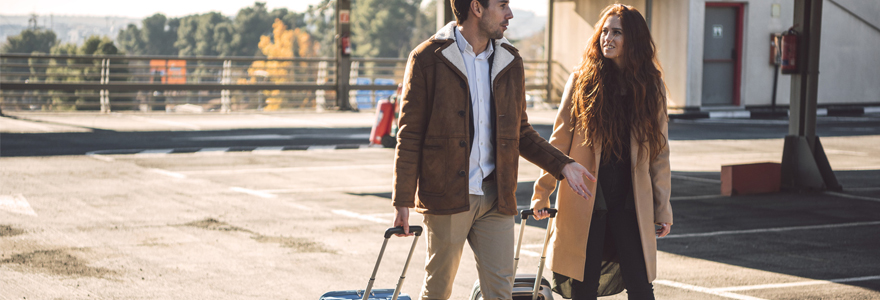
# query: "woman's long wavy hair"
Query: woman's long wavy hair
{"points": [[598, 110]]}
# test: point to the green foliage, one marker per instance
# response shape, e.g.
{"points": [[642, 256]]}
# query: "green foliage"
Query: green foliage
{"points": [[30, 41], [250, 24]]}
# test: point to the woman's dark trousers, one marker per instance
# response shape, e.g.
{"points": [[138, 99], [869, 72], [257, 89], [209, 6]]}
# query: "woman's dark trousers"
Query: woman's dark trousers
{"points": [[621, 227]]}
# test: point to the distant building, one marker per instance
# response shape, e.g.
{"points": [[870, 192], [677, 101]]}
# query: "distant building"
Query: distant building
{"points": [[716, 54]]}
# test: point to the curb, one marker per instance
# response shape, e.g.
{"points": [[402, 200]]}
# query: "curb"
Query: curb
{"points": [[768, 114], [219, 150]]}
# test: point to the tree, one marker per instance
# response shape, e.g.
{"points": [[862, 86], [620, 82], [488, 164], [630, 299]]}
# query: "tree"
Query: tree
{"points": [[130, 40], [380, 27], [320, 23], [30, 41], [157, 40], [250, 24]]}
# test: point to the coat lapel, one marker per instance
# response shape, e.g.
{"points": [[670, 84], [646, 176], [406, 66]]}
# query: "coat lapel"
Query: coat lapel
{"points": [[452, 56], [503, 57], [449, 53]]}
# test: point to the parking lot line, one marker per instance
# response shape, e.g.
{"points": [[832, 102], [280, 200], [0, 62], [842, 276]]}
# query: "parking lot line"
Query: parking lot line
{"points": [[852, 196], [763, 230], [289, 169], [355, 215], [705, 290], [794, 284], [260, 194]]}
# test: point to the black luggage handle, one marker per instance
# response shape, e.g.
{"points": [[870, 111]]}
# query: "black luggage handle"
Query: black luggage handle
{"points": [[525, 213], [399, 230]]}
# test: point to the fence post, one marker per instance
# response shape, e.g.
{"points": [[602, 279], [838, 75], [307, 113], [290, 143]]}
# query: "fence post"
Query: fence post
{"points": [[105, 79], [320, 101], [226, 78]]}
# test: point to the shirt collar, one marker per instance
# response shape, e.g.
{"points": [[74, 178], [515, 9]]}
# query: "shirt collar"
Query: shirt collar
{"points": [[464, 46]]}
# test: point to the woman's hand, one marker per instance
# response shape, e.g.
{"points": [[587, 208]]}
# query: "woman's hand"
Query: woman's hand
{"points": [[541, 214], [664, 229]]}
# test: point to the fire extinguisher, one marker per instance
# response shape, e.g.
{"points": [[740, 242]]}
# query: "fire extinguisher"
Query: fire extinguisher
{"points": [[346, 45], [789, 52]]}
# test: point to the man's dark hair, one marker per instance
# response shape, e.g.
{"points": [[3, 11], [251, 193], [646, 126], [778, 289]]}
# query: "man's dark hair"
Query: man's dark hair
{"points": [[461, 8]]}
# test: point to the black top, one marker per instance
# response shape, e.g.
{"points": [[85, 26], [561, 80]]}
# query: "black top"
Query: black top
{"points": [[615, 187]]}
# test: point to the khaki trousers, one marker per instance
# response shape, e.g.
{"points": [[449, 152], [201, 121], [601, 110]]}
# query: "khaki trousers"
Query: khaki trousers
{"points": [[490, 235]]}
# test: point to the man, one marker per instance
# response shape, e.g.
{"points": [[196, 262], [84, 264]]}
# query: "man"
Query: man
{"points": [[463, 127]]}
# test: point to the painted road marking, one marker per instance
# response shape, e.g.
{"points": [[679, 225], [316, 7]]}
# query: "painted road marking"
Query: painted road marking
{"points": [[794, 284], [289, 169], [350, 189], [355, 215], [16, 204], [268, 150], [704, 290], [852, 196], [697, 179], [779, 229], [260, 194], [168, 173]]}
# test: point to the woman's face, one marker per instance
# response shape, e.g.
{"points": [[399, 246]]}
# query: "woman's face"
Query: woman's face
{"points": [[612, 40]]}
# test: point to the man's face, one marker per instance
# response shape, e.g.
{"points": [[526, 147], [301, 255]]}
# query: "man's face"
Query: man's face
{"points": [[495, 18]]}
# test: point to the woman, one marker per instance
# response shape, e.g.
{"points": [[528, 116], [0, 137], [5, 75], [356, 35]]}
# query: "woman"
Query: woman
{"points": [[612, 121]]}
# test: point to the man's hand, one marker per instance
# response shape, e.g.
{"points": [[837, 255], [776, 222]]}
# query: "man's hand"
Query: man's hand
{"points": [[574, 173], [401, 218], [664, 229]]}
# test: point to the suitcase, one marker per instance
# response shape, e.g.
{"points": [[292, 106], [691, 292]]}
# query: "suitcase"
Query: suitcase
{"points": [[526, 286], [380, 294]]}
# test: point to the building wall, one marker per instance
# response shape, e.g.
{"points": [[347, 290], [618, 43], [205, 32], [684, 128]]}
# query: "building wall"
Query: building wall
{"points": [[849, 65], [849, 61]]}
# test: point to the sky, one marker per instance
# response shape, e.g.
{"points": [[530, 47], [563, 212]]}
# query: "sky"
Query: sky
{"points": [[176, 8]]}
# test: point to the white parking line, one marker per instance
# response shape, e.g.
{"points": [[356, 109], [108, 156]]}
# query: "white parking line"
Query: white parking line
{"points": [[362, 217], [290, 169], [852, 196], [794, 284], [168, 173], [704, 290], [779, 229], [260, 194], [350, 189]]}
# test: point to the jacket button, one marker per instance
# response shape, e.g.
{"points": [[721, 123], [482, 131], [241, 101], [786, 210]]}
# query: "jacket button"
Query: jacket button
{"points": [[461, 83], [462, 173], [461, 113], [462, 143]]}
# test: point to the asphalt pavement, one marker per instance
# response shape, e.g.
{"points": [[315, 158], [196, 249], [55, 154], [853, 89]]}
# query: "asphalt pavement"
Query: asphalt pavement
{"points": [[291, 205]]}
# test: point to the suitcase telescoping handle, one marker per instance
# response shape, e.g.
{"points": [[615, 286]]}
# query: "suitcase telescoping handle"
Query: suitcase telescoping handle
{"points": [[524, 214], [417, 230]]}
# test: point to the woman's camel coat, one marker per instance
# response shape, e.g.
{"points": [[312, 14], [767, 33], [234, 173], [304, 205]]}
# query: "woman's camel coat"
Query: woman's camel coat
{"points": [[651, 189]]}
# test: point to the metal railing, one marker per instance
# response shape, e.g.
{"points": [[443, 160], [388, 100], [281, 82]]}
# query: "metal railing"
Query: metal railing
{"points": [[49, 82]]}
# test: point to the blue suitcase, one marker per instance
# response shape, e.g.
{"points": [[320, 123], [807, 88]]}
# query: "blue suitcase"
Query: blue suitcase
{"points": [[380, 294]]}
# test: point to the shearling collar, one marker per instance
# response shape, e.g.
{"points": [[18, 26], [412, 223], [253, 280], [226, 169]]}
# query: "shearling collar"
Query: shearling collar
{"points": [[503, 55]]}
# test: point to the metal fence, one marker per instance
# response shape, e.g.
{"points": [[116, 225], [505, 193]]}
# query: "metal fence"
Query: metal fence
{"points": [[197, 84]]}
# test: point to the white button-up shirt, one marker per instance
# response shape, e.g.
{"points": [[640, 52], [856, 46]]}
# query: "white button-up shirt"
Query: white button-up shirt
{"points": [[482, 158]]}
